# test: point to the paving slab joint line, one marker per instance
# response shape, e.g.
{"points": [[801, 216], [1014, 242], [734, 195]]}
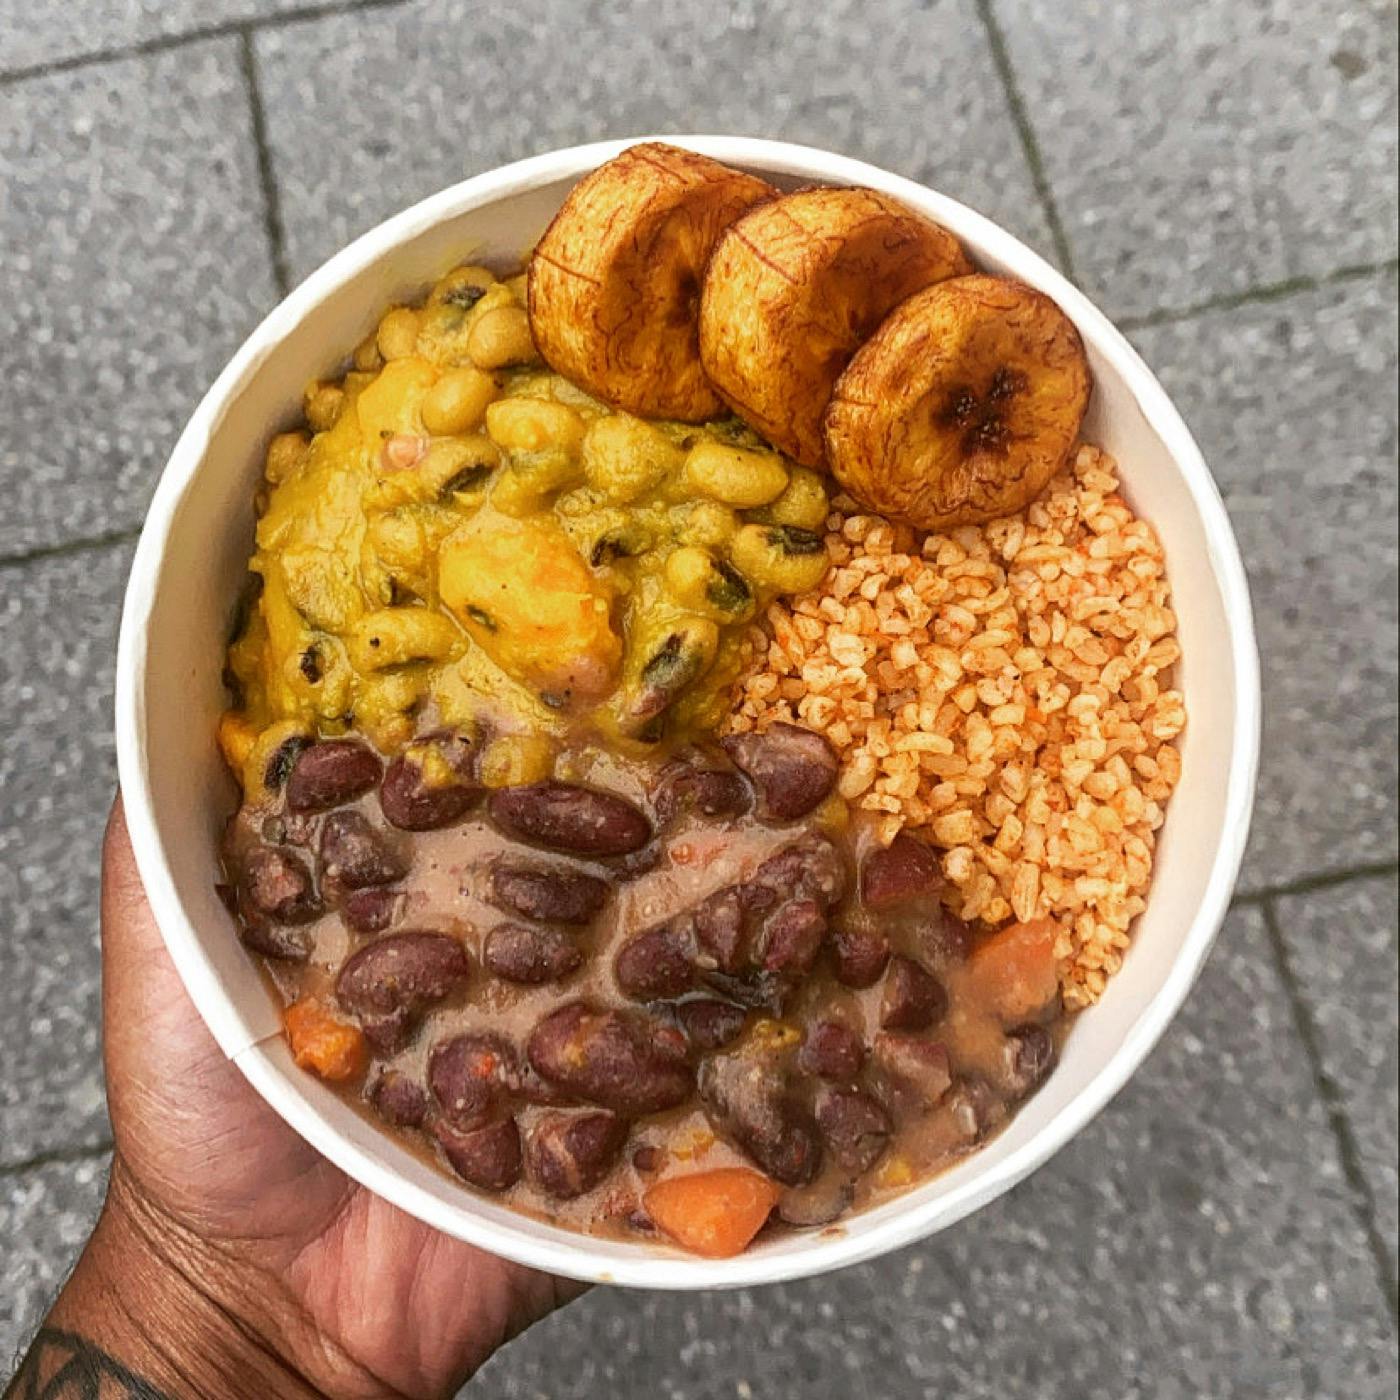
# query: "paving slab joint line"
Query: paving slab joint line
{"points": [[1323, 880], [1261, 295], [1035, 162], [162, 43], [1363, 1201], [64, 548], [267, 175], [56, 1156]]}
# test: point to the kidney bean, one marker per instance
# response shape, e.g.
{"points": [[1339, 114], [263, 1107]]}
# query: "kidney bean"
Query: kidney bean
{"points": [[399, 1100], [793, 769], [720, 929], [570, 1153], [808, 1207], [330, 773], [469, 1076], [354, 855], [810, 866], [793, 937], [275, 885], [1027, 1058], [710, 1024], [973, 1110], [488, 1157], [648, 1159], [530, 954], [915, 1072], [415, 797], [832, 1051], [946, 937], [913, 998], [746, 1097], [558, 896], [656, 964], [617, 1059], [907, 869], [277, 940], [684, 789], [565, 817], [388, 982], [861, 952], [855, 1127], [371, 910]]}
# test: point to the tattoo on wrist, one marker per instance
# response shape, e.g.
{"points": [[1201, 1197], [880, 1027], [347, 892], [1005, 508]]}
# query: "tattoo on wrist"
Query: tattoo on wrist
{"points": [[64, 1366]]}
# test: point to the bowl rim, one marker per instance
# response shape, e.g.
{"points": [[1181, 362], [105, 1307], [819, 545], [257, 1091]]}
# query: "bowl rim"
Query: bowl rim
{"points": [[570, 1253]]}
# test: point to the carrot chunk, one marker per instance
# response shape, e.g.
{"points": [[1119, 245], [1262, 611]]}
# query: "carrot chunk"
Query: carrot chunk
{"points": [[714, 1213], [332, 1048], [1014, 972]]}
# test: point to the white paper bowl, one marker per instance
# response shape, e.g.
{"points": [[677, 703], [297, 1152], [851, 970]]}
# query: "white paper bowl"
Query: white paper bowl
{"points": [[192, 557]]}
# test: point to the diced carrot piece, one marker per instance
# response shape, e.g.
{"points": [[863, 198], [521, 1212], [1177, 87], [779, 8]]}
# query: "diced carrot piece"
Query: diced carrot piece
{"points": [[320, 1042], [714, 1213], [1014, 972]]}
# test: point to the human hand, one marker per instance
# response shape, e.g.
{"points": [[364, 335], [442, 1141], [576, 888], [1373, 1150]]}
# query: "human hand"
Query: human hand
{"points": [[231, 1258]]}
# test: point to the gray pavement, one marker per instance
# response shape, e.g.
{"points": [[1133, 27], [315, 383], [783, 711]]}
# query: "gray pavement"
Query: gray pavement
{"points": [[1221, 177]]}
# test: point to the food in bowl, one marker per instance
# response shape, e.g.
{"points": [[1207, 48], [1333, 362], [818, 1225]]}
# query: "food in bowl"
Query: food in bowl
{"points": [[664, 843]]}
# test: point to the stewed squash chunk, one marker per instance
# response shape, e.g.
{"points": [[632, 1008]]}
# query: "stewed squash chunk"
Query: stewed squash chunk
{"points": [[529, 600]]}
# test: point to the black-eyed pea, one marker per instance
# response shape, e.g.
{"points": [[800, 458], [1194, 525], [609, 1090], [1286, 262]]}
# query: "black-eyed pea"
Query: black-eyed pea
{"points": [[531, 479], [706, 523], [458, 401], [624, 458], [736, 476], [367, 358], [709, 586], [458, 466], [322, 403], [514, 760], [464, 286], [285, 453], [397, 337], [519, 286], [393, 637], [780, 558], [500, 337], [804, 504], [534, 425], [270, 757]]}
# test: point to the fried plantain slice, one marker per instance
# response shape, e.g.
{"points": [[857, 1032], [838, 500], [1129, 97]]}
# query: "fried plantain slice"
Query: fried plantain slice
{"points": [[795, 287], [962, 406], [614, 284]]}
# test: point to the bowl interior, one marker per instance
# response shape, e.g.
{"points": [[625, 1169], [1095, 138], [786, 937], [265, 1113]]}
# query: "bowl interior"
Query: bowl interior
{"points": [[191, 561]]}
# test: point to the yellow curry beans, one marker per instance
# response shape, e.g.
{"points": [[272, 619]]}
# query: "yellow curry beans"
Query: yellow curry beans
{"points": [[398, 333], [534, 425], [322, 404], [457, 403], [624, 457], [780, 558], [392, 637], [461, 527], [513, 760], [501, 337], [736, 476], [285, 453]]}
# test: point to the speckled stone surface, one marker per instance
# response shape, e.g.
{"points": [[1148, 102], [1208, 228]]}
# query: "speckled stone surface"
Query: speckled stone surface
{"points": [[458, 88], [1342, 945], [1198, 148], [1294, 406], [1196, 1240], [58, 625], [45, 1216], [42, 34], [134, 263]]}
